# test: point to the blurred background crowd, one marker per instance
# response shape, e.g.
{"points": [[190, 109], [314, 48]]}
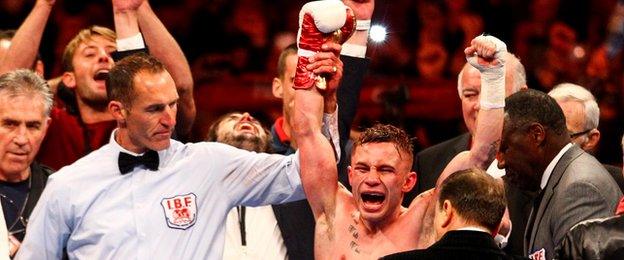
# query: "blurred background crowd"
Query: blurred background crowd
{"points": [[232, 46]]}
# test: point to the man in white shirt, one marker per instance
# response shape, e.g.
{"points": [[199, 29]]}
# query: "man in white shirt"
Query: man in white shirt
{"points": [[145, 196]]}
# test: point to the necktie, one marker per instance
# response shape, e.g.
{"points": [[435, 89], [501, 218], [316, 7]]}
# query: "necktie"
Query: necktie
{"points": [[127, 162]]}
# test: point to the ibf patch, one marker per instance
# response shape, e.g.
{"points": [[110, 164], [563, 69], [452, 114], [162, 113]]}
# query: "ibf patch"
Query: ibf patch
{"points": [[180, 210], [538, 255]]}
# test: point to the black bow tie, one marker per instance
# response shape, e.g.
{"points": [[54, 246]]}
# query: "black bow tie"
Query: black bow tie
{"points": [[127, 162]]}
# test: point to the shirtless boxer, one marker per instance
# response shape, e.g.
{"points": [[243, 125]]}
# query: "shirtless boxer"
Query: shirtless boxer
{"points": [[369, 222]]}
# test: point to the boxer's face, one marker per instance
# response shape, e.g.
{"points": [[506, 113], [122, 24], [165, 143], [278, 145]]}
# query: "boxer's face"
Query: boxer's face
{"points": [[379, 175]]}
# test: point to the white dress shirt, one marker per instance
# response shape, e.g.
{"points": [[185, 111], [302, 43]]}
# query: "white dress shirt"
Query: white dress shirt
{"points": [[176, 212]]}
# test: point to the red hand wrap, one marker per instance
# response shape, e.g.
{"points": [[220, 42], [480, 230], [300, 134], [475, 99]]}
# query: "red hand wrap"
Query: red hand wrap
{"points": [[311, 39]]}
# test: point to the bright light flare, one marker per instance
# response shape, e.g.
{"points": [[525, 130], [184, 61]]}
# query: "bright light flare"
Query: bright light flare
{"points": [[378, 33]]}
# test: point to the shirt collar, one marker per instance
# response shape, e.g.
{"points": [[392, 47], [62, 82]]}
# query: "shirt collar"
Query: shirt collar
{"points": [[115, 144], [473, 228], [552, 164]]}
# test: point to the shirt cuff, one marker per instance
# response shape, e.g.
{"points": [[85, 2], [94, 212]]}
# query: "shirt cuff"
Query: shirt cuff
{"points": [[353, 50], [131, 43]]}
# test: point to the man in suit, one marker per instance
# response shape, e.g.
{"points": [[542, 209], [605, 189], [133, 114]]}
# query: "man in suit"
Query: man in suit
{"points": [[595, 238], [467, 216], [582, 116], [429, 163], [537, 154]]}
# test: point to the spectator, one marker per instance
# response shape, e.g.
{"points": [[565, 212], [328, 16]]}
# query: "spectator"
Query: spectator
{"points": [[25, 104], [582, 116], [86, 124]]}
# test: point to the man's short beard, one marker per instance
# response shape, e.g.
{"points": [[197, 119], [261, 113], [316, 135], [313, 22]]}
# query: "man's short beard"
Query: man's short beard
{"points": [[97, 103], [246, 142]]}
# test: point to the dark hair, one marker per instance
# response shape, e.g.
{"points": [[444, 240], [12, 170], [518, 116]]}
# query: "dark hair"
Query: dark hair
{"points": [[120, 82], [380, 133], [281, 62], [255, 143], [531, 106], [477, 197], [211, 136]]}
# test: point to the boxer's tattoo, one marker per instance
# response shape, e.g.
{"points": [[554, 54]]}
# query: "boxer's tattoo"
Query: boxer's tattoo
{"points": [[493, 149], [355, 247], [353, 231]]}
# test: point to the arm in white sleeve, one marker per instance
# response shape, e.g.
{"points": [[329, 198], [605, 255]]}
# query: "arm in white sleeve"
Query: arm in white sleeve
{"points": [[131, 43], [255, 179]]}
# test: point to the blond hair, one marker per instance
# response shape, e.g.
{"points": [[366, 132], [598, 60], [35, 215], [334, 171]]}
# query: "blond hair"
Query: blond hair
{"points": [[83, 36]]}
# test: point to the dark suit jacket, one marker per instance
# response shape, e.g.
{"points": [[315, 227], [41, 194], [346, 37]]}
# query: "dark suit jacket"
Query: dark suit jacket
{"points": [[295, 219], [578, 189], [616, 173], [430, 162], [457, 245], [519, 204], [594, 239]]}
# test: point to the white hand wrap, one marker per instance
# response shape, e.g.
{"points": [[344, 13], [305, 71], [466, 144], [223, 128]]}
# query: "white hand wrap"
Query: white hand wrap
{"points": [[492, 75]]}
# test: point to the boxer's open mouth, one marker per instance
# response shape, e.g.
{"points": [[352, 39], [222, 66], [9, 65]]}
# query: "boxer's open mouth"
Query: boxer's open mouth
{"points": [[373, 198]]}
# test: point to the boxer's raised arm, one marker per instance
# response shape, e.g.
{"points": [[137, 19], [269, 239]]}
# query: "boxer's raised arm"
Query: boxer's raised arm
{"points": [[487, 54], [318, 21]]}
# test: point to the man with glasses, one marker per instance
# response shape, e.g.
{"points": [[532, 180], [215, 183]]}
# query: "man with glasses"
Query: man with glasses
{"points": [[582, 115], [25, 103]]}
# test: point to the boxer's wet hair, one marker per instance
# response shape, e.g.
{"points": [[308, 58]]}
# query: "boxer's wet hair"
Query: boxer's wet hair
{"points": [[381, 133], [120, 82]]}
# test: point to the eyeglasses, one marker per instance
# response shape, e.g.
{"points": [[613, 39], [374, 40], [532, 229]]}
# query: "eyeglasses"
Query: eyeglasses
{"points": [[577, 134], [18, 227]]}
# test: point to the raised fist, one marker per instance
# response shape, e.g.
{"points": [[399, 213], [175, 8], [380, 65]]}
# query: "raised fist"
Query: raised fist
{"points": [[320, 22], [486, 52]]}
